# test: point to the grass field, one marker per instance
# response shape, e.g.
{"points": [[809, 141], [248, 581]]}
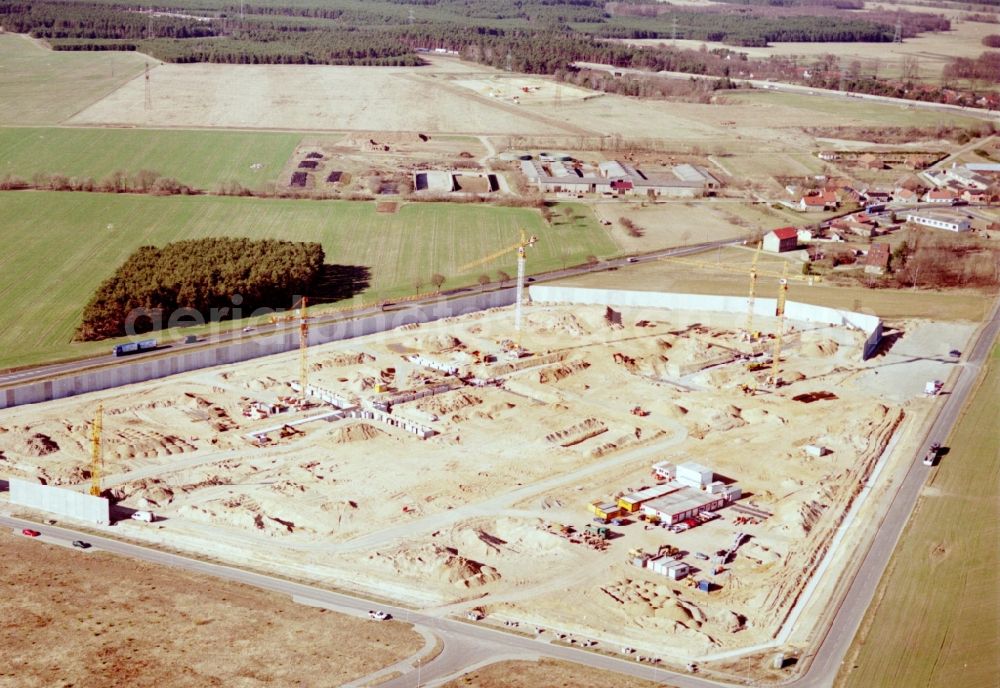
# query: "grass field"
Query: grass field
{"points": [[887, 303], [853, 111], [60, 247], [200, 159], [936, 620], [38, 86]]}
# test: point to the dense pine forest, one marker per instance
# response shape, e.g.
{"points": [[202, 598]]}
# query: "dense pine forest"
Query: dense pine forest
{"points": [[536, 32], [201, 274]]}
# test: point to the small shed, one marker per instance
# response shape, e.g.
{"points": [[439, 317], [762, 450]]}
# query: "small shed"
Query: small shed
{"points": [[605, 510], [877, 260]]}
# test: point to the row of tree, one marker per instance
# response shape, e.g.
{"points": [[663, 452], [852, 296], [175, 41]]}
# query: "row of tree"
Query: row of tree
{"points": [[200, 274]]}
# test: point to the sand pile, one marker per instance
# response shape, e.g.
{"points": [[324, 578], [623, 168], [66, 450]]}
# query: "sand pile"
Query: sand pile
{"points": [[435, 343], [566, 323], [202, 409], [489, 539], [444, 404], [346, 359], [558, 372], [262, 383], [241, 511], [434, 563], [819, 349], [39, 444], [133, 442], [149, 493], [493, 411], [656, 605], [575, 434], [355, 432], [708, 420]]}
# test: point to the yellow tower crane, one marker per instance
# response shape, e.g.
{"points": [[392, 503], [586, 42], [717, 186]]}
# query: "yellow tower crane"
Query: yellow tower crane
{"points": [[520, 247], [96, 456], [754, 272], [779, 312], [303, 347]]}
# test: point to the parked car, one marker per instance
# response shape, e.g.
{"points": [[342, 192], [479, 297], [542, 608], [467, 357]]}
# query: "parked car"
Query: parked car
{"points": [[379, 615], [30, 533], [80, 544], [701, 555], [955, 353]]}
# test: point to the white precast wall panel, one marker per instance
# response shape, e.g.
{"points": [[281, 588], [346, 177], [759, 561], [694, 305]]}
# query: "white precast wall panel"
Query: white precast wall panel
{"points": [[871, 325], [58, 500]]}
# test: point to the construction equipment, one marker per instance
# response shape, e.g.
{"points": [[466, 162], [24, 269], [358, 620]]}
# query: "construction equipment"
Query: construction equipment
{"points": [[520, 247], [96, 455], [303, 347]]}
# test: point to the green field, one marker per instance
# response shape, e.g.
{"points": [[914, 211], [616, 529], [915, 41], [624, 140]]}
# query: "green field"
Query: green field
{"points": [[38, 86], [936, 620], [887, 303], [60, 246], [856, 111], [200, 159]]}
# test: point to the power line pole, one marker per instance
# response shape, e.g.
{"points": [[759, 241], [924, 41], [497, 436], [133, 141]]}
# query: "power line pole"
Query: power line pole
{"points": [[149, 93], [673, 32], [898, 35]]}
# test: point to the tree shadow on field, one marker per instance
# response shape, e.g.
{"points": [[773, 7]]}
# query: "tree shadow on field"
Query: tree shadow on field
{"points": [[339, 282]]}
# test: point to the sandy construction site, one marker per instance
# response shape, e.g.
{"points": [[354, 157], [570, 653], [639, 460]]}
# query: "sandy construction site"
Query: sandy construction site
{"points": [[490, 511]]}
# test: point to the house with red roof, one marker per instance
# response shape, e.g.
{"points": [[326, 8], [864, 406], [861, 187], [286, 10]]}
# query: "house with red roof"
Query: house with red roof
{"points": [[781, 240]]}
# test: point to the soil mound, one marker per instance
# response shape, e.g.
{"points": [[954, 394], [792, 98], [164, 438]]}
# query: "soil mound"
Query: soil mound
{"points": [[356, 432]]}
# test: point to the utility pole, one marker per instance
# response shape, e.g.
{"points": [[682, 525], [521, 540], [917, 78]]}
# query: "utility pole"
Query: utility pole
{"points": [[149, 93], [898, 35], [673, 31]]}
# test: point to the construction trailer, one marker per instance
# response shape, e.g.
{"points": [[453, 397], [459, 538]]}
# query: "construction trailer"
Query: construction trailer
{"points": [[665, 470], [674, 569], [695, 475], [683, 504], [605, 510], [632, 502]]}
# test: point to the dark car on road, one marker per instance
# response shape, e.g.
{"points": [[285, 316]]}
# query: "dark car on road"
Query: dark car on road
{"points": [[81, 544]]}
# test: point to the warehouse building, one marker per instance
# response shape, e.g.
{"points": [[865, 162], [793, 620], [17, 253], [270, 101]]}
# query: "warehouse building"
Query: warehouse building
{"points": [[631, 503], [946, 222]]}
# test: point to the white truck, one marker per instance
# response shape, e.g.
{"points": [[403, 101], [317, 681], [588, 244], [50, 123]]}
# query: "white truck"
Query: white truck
{"points": [[144, 516], [931, 456]]}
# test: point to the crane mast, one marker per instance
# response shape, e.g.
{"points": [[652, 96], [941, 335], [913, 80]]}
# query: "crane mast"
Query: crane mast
{"points": [[96, 456], [753, 292], [779, 312], [303, 347], [520, 247]]}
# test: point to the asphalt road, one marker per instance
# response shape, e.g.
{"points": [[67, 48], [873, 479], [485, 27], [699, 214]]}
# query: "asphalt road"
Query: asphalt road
{"points": [[54, 370]]}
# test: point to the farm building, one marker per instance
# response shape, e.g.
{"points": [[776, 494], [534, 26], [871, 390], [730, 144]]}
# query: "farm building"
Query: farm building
{"points": [[877, 260], [946, 222], [683, 504], [781, 240], [943, 196], [631, 503], [966, 177], [818, 202], [618, 178]]}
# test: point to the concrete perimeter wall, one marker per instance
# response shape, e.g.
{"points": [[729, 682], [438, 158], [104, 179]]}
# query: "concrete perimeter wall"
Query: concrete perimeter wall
{"points": [[737, 305], [59, 500], [129, 371]]}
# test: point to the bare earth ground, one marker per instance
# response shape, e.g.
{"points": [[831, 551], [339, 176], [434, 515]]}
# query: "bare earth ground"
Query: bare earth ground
{"points": [[310, 98], [545, 672], [90, 619], [357, 504]]}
